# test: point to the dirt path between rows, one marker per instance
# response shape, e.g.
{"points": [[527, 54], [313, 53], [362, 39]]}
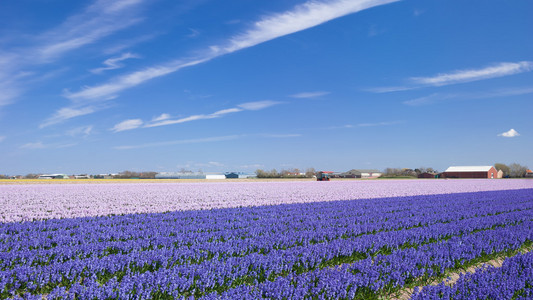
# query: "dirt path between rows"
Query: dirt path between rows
{"points": [[406, 294]]}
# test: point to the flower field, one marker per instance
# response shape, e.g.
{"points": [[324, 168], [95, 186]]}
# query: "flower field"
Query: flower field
{"points": [[287, 240], [22, 202]]}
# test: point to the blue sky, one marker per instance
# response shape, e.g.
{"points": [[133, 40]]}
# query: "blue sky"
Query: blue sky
{"points": [[105, 86]]}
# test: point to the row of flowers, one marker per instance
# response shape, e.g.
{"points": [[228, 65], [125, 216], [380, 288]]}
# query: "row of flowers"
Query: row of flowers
{"points": [[31, 202], [514, 280], [337, 249]]}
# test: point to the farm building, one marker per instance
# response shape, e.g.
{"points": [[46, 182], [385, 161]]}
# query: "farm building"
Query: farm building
{"points": [[235, 175], [189, 175], [529, 173], [53, 176], [180, 175], [362, 173], [215, 176], [470, 172]]}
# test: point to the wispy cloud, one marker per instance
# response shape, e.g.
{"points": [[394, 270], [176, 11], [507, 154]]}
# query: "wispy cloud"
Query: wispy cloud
{"points": [[161, 117], [340, 127], [67, 113], [40, 145], [439, 98], [193, 33], [2, 138], [80, 131], [97, 21], [111, 89], [509, 134], [461, 76], [258, 105], [301, 17], [127, 125], [121, 45], [114, 63], [310, 94], [165, 119]]}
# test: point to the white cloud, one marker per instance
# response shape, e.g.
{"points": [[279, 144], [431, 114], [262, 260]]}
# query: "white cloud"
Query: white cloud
{"points": [[127, 125], [509, 134], [310, 94], [67, 113], [2, 138], [80, 131], [437, 97], [99, 20], [257, 105], [40, 145], [161, 117], [304, 16], [389, 89], [460, 76], [113, 63], [339, 127], [226, 111], [165, 119], [109, 90]]}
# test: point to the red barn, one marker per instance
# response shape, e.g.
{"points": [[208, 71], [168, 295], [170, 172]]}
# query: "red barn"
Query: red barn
{"points": [[471, 172]]}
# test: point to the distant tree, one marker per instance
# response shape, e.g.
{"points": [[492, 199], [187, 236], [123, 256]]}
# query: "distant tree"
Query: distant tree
{"points": [[147, 175], [504, 168], [310, 172], [128, 174], [517, 170], [421, 170], [31, 176], [4, 176], [261, 173], [274, 174]]}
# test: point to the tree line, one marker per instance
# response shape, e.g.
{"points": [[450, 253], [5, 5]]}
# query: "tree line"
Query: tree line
{"points": [[513, 170], [286, 173]]}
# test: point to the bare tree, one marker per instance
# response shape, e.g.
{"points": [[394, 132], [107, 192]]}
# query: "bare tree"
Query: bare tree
{"points": [[310, 172], [261, 173], [517, 170]]}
